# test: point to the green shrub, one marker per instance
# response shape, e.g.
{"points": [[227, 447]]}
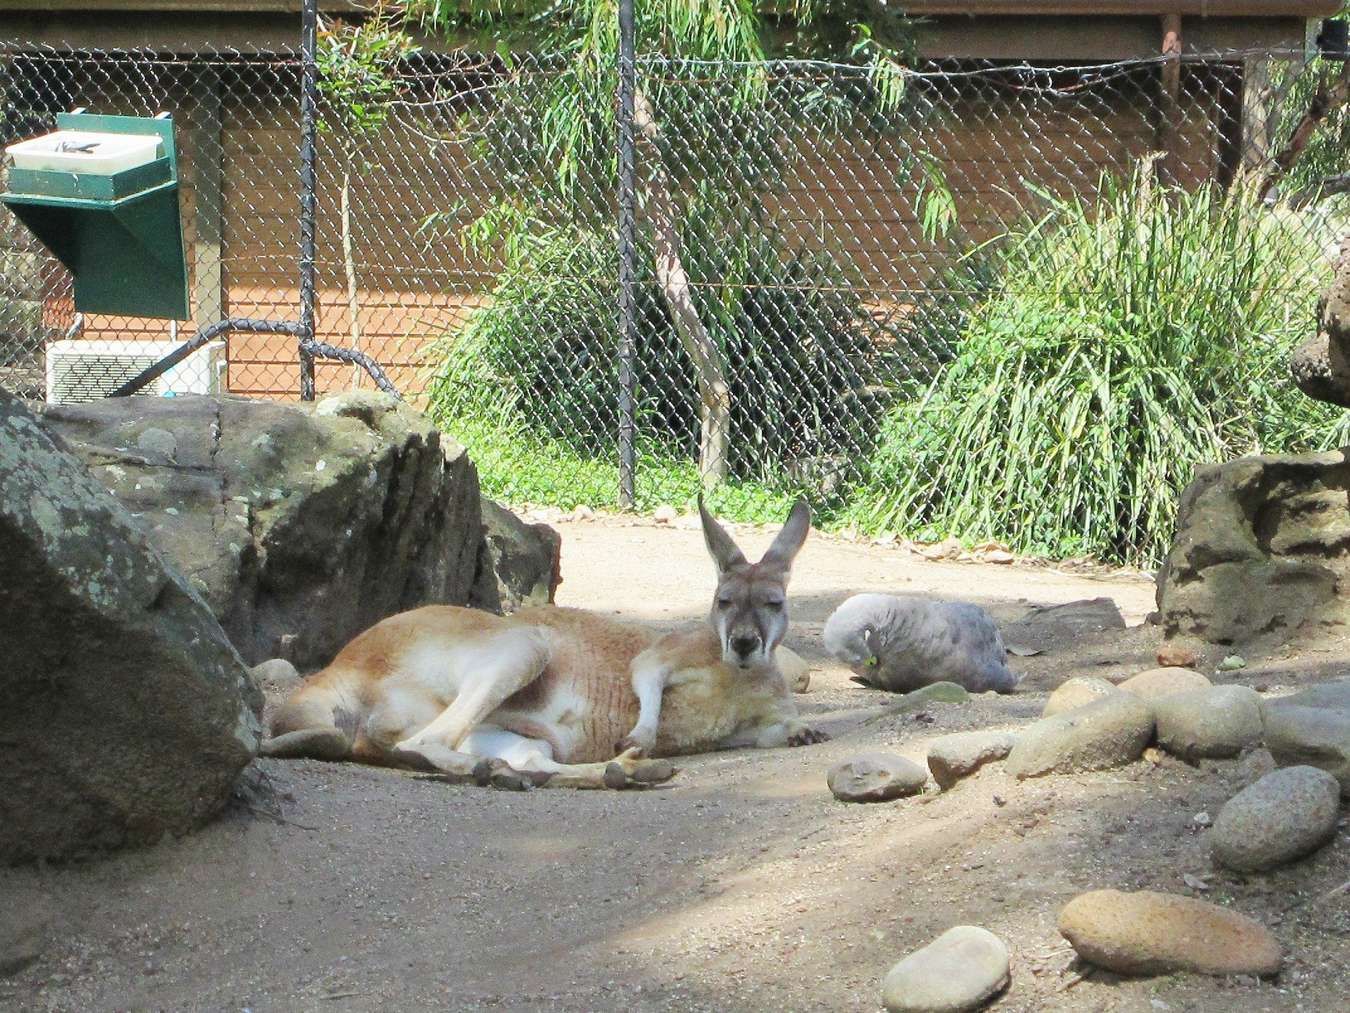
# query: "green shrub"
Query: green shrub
{"points": [[1124, 342], [541, 357]]}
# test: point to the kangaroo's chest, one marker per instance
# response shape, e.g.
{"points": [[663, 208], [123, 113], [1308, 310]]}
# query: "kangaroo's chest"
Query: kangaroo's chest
{"points": [[705, 708]]}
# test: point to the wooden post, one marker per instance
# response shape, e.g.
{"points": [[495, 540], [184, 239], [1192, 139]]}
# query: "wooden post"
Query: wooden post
{"points": [[208, 155], [1259, 105]]}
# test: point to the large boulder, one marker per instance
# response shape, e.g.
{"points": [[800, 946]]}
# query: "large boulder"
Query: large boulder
{"points": [[301, 525], [1262, 549], [525, 558], [125, 713]]}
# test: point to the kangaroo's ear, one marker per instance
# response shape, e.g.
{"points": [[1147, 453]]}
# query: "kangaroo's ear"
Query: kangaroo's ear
{"points": [[789, 540], [720, 546]]}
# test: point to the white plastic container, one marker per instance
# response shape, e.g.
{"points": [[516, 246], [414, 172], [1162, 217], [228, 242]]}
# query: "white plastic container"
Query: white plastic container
{"points": [[85, 151]]}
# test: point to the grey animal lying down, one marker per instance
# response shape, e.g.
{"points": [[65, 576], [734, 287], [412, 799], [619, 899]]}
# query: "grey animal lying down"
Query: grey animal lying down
{"points": [[900, 644]]}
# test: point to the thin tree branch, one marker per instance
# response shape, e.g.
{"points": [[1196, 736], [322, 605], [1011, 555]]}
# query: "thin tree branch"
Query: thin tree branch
{"points": [[710, 366], [1328, 186], [1329, 97]]}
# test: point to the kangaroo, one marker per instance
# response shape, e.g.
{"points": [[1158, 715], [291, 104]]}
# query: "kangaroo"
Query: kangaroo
{"points": [[560, 697]]}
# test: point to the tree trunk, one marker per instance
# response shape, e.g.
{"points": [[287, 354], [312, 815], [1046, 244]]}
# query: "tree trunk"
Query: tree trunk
{"points": [[710, 366], [349, 268]]}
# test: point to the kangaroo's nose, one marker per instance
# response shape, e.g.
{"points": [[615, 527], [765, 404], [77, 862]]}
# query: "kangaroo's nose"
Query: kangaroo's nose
{"points": [[744, 646]]}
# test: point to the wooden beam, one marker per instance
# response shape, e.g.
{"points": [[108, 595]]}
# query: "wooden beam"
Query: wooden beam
{"points": [[1169, 96]]}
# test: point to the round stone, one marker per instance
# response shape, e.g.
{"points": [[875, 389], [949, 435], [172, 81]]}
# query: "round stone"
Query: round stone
{"points": [[962, 969], [1315, 736], [1158, 933], [1108, 733], [1077, 692], [875, 777], [154, 440], [1156, 683], [953, 757], [1285, 815], [1218, 722], [277, 678]]}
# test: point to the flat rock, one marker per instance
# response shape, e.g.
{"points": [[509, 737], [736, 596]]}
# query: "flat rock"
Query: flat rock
{"points": [[962, 969], [1333, 695], [1317, 737], [875, 777], [1074, 618], [1156, 683], [959, 755], [1218, 722], [1285, 815], [936, 692], [1108, 733], [1077, 692], [1158, 933]]}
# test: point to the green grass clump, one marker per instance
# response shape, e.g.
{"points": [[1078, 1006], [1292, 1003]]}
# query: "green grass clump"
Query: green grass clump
{"points": [[1125, 341], [519, 467]]}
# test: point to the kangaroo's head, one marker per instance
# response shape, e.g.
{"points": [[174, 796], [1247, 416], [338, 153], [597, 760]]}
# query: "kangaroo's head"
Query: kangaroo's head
{"points": [[749, 610]]}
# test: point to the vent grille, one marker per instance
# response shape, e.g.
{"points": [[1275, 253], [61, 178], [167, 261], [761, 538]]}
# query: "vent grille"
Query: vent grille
{"points": [[77, 376]]}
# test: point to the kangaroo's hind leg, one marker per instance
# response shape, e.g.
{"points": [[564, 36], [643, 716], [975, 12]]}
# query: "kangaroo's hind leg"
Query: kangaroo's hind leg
{"points": [[534, 758], [486, 676]]}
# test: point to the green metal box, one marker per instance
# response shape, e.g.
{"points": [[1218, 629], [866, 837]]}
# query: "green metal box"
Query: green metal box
{"points": [[120, 234]]}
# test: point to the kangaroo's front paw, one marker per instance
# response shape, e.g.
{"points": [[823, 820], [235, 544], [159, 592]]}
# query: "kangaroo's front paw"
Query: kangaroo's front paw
{"points": [[804, 736]]}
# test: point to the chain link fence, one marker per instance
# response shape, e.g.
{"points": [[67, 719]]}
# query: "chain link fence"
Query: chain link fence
{"points": [[1012, 303]]}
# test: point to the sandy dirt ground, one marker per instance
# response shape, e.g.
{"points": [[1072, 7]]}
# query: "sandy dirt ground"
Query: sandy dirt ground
{"points": [[742, 885]]}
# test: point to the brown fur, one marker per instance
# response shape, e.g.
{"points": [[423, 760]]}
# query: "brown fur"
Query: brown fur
{"points": [[415, 686]]}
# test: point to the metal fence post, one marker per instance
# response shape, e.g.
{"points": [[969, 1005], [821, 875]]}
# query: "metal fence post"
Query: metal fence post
{"points": [[627, 253], [309, 87]]}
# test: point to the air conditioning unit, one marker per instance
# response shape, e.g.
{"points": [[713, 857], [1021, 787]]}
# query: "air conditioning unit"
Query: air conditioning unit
{"points": [[89, 370]]}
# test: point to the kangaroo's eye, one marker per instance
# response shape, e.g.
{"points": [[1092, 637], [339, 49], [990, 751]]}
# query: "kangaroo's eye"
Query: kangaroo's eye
{"points": [[773, 606], [724, 603]]}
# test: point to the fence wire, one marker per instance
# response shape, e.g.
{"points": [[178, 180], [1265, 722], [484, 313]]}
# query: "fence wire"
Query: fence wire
{"points": [[846, 287]]}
